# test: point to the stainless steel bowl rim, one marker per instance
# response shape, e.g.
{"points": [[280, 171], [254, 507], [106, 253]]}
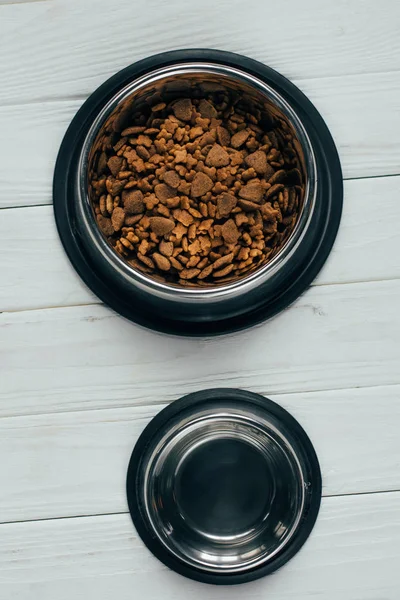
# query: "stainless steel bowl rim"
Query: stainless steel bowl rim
{"points": [[175, 292]]}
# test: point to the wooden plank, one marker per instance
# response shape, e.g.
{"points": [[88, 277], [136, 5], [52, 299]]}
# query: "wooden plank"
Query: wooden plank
{"points": [[353, 552], [73, 464], [367, 248], [88, 357], [34, 269], [303, 41], [29, 150]]}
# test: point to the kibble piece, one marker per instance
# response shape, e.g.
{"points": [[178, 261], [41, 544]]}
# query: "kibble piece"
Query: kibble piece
{"points": [[274, 190], [158, 107], [252, 192], [164, 191], [258, 161], [206, 109], [239, 138], [118, 218], [183, 216], [248, 206], [183, 109], [217, 157], [225, 271], [189, 273], [102, 164], [201, 184], [230, 232], [114, 164], [132, 130], [224, 260], [278, 177], [161, 261], [133, 202], [225, 204], [223, 136], [172, 179], [161, 225], [166, 248], [105, 225]]}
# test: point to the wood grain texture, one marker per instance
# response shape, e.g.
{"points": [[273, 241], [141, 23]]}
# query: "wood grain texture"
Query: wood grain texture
{"points": [[367, 139], [352, 554], [87, 357], [345, 38], [35, 272], [73, 464]]}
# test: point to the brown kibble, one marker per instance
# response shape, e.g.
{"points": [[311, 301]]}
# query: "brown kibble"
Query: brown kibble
{"points": [[223, 272], [144, 140], [206, 109], [166, 248], [278, 177], [225, 204], [197, 191], [223, 136], [239, 138], [230, 232], [102, 164], [161, 261], [207, 138], [201, 184], [183, 109], [143, 247], [132, 131], [114, 164], [248, 206], [161, 225], [252, 192], [175, 263], [183, 216], [143, 152], [274, 190], [258, 161], [133, 202], [189, 273], [224, 260], [179, 231], [158, 107], [105, 225], [205, 272], [195, 132], [194, 248], [118, 218], [163, 192], [217, 157], [172, 179], [145, 260], [132, 220]]}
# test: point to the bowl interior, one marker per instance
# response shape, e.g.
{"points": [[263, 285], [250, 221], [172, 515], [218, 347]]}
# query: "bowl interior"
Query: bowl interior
{"points": [[223, 491], [199, 81]]}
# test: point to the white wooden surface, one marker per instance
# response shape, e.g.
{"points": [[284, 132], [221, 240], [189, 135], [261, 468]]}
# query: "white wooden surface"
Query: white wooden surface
{"points": [[78, 383]]}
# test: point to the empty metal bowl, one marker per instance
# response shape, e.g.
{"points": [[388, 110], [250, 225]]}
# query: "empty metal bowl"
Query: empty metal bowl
{"points": [[215, 308], [224, 486]]}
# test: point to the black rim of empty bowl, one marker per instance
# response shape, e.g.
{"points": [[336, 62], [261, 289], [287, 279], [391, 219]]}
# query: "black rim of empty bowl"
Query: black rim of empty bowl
{"points": [[309, 260], [185, 410]]}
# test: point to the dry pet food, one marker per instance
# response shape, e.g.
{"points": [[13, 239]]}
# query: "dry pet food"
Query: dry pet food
{"points": [[199, 190]]}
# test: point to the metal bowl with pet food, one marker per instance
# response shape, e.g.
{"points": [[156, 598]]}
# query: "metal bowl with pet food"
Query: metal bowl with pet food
{"points": [[213, 308]]}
